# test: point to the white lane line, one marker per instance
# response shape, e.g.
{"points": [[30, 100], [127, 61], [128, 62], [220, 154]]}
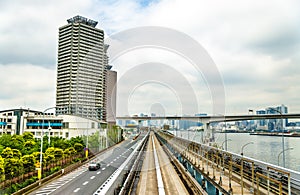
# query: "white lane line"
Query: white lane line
{"points": [[76, 190], [107, 164], [103, 169], [85, 183], [92, 177], [49, 188], [98, 172]]}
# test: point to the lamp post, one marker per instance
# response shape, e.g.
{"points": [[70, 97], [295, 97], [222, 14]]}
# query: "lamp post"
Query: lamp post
{"points": [[41, 151], [282, 136], [225, 141], [242, 150], [283, 152], [225, 134]]}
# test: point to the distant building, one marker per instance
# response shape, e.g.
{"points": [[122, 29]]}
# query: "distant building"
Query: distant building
{"points": [[260, 123], [81, 65], [277, 124]]}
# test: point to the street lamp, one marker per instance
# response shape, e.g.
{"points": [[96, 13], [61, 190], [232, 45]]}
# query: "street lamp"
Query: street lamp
{"points": [[225, 134], [41, 152], [245, 146], [283, 152], [225, 141], [282, 136]]}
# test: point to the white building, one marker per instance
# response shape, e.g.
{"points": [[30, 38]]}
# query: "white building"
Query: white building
{"points": [[18, 121]]}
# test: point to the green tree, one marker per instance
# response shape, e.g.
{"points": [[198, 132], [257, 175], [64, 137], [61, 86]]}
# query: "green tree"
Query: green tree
{"points": [[17, 142], [2, 171], [28, 162], [29, 147], [36, 156], [48, 159], [78, 147], [70, 151], [5, 140], [7, 153], [1, 148], [59, 142], [16, 153], [57, 152], [13, 166], [77, 139], [28, 136]]}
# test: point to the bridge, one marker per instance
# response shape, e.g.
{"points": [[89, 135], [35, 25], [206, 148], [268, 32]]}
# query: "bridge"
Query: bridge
{"points": [[157, 162], [207, 120], [214, 118]]}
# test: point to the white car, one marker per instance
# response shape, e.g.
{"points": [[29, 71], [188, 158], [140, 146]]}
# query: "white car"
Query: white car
{"points": [[94, 166]]}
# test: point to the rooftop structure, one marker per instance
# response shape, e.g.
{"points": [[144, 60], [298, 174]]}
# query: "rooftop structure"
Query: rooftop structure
{"points": [[83, 20]]}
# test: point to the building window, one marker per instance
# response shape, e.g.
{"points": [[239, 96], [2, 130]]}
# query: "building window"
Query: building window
{"points": [[65, 125], [9, 120]]}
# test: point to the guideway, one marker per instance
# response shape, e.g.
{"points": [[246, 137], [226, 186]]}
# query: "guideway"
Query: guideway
{"points": [[220, 172], [157, 174]]}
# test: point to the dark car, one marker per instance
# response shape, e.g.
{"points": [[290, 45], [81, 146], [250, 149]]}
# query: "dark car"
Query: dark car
{"points": [[94, 166]]}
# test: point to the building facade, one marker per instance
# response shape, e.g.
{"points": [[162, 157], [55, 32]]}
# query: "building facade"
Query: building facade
{"points": [[18, 121], [111, 96], [81, 65]]}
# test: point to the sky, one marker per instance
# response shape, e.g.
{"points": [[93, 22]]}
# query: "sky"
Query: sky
{"points": [[233, 55]]}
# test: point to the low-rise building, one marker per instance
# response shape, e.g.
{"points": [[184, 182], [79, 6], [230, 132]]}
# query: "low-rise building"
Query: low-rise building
{"points": [[18, 121]]}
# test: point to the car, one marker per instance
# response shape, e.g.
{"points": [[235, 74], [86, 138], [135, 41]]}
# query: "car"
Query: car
{"points": [[94, 166]]}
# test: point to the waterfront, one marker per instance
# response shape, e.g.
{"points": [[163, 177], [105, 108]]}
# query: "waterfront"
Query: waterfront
{"points": [[265, 148]]}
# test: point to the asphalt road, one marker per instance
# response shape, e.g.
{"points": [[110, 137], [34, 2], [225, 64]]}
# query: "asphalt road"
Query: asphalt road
{"points": [[85, 182]]}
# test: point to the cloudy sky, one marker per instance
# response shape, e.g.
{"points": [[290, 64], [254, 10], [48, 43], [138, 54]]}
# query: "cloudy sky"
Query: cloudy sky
{"points": [[252, 46]]}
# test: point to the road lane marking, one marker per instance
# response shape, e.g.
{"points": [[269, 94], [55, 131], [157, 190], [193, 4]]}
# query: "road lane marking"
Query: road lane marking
{"points": [[85, 183], [77, 189], [103, 169], [98, 172], [92, 177]]}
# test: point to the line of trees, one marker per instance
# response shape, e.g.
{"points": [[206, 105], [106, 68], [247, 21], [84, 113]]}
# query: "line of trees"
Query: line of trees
{"points": [[20, 154]]}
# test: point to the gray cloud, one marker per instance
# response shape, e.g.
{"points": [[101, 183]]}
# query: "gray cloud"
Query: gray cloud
{"points": [[255, 45], [280, 43]]}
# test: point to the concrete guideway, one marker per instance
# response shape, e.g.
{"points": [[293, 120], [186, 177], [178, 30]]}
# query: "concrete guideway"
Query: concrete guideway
{"points": [[148, 183], [219, 173]]}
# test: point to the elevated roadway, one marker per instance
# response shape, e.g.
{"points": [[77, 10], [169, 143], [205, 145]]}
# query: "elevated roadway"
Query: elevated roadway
{"points": [[214, 118], [81, 181]]}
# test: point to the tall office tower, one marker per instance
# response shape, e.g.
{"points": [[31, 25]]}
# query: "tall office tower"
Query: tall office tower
{"points": [[80, 88]]}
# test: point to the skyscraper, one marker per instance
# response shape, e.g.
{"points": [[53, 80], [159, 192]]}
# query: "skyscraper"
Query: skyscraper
{"points": [[81, 68]]}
